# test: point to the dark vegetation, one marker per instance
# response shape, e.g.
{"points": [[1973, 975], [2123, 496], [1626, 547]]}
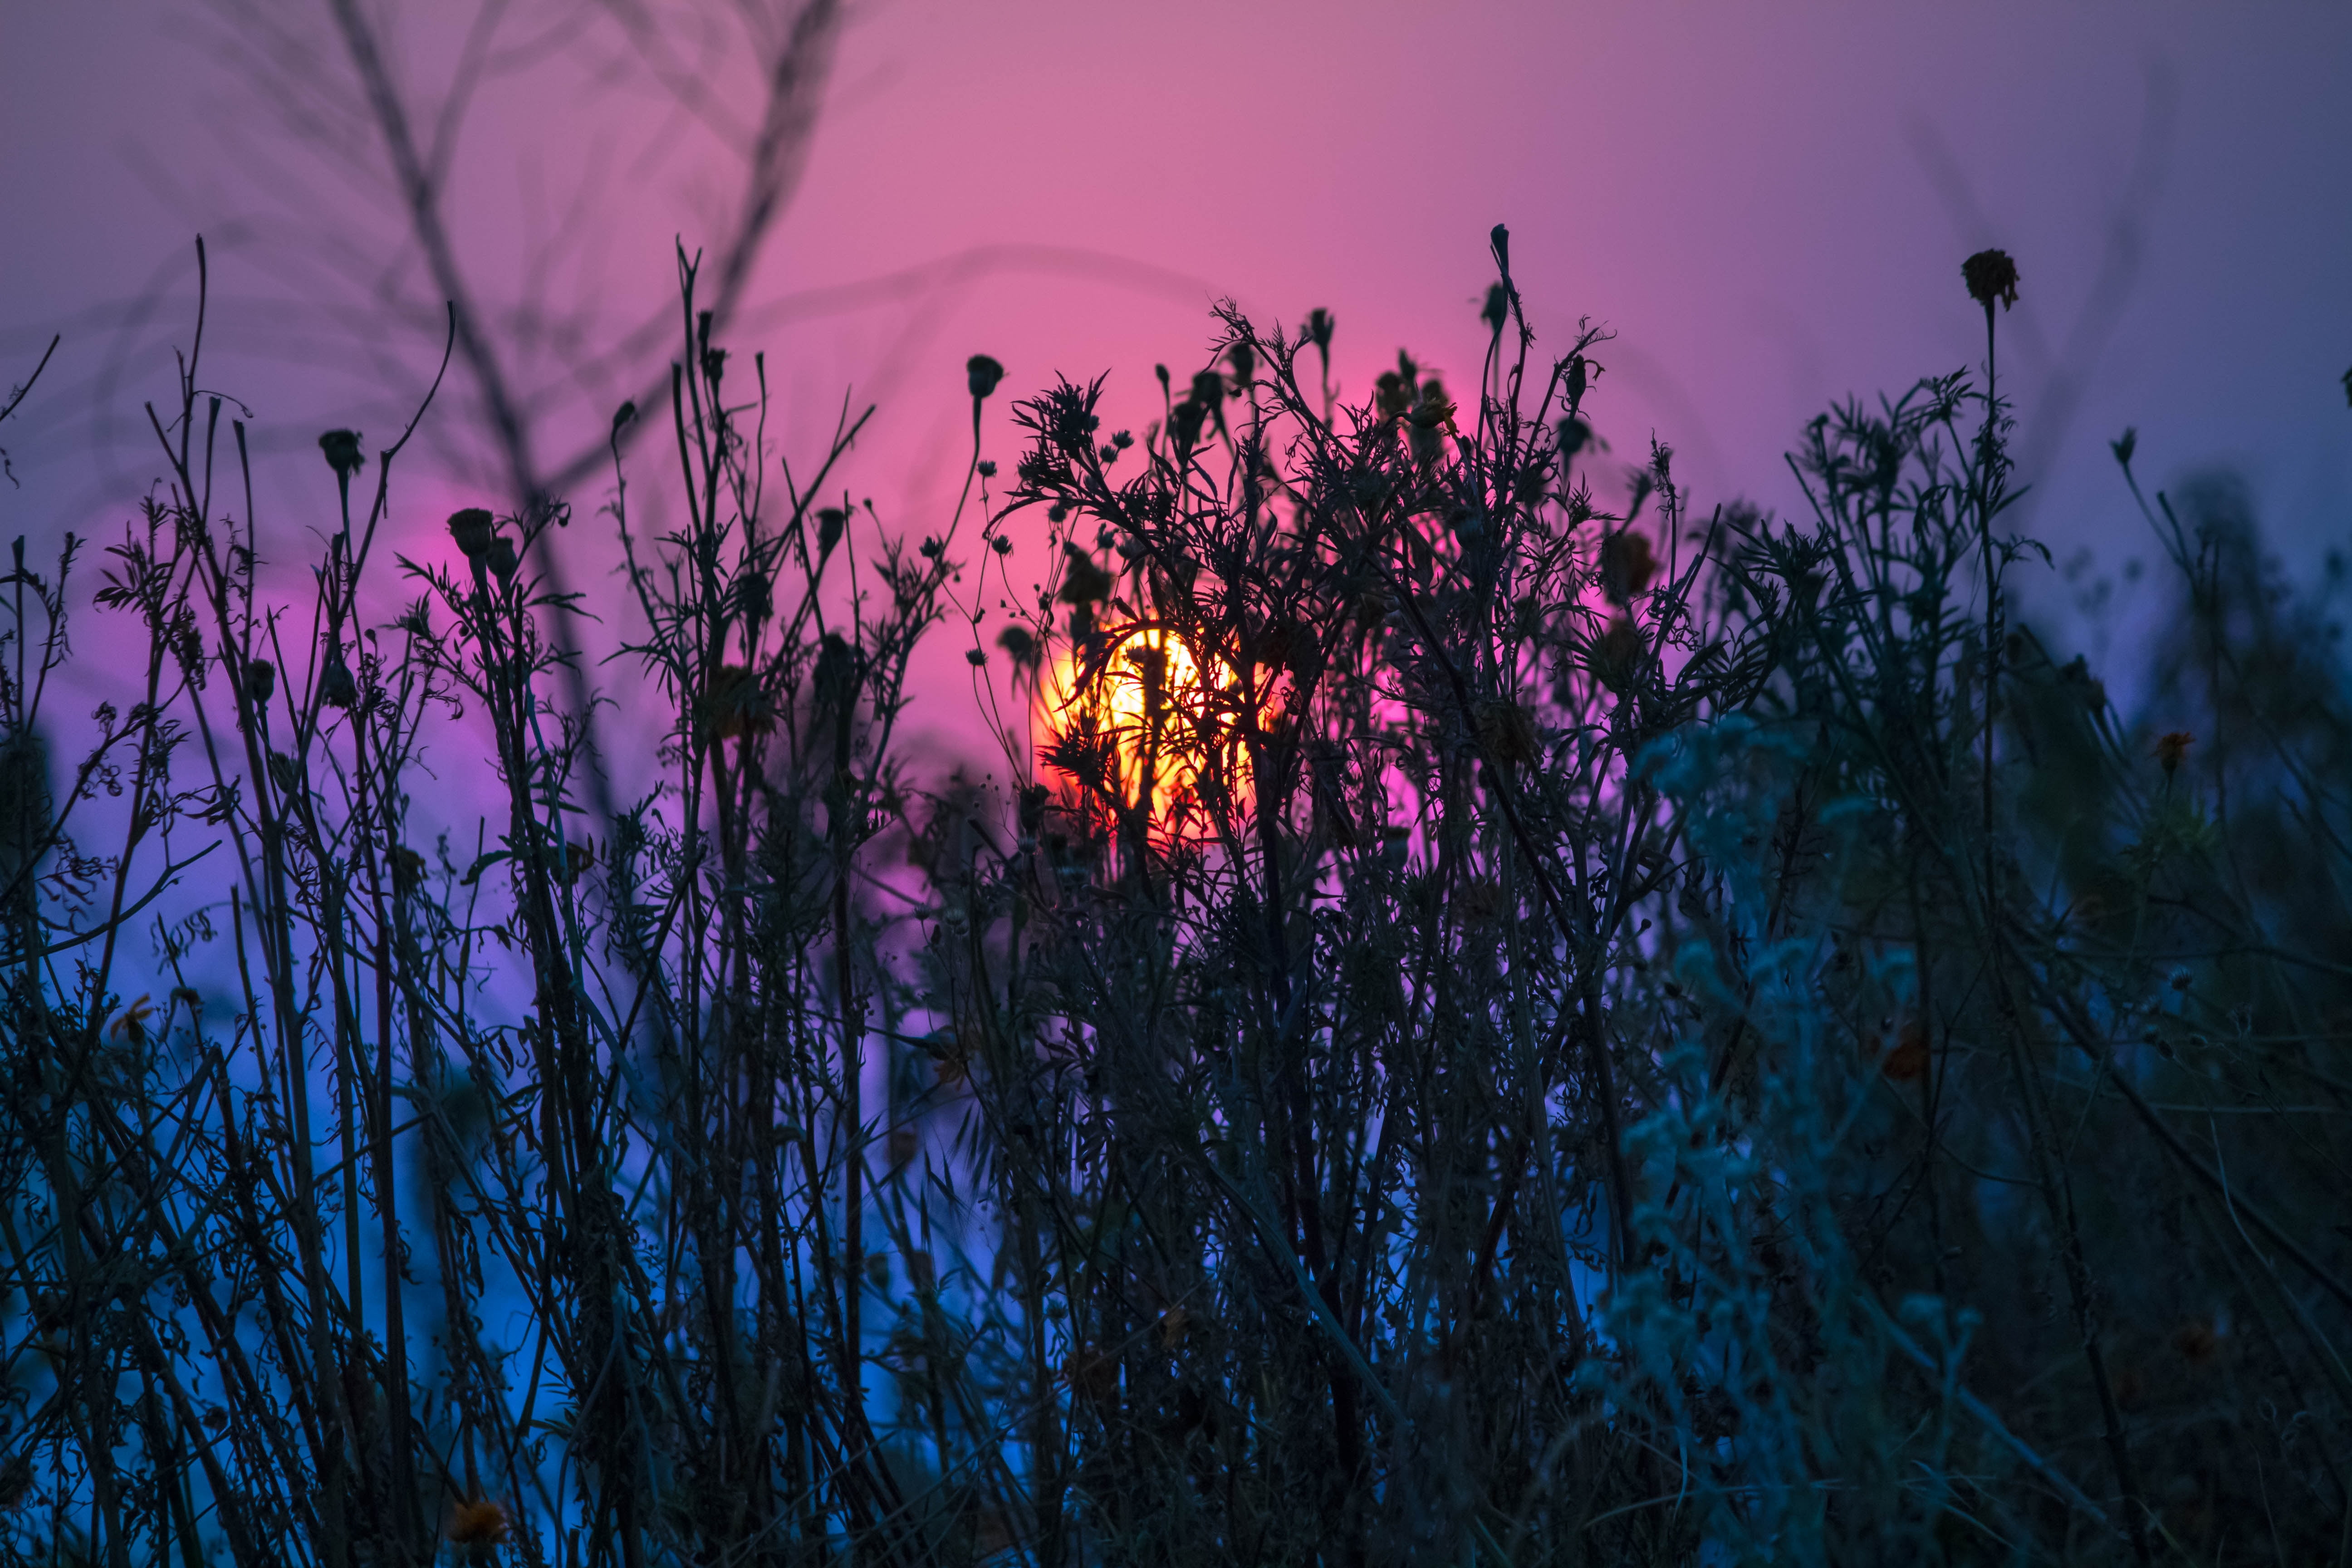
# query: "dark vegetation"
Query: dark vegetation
{"points": [[1591, 1034]]}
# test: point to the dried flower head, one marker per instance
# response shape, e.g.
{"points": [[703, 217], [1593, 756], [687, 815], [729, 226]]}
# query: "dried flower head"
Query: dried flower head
{"points": [[732, 704], [1626, 565], [1506, 730], [2172, 749], [982, 373], [1991, 275], [472, 529], [1243, 359], [1616, 654], [342, 450], [1085, 581]]}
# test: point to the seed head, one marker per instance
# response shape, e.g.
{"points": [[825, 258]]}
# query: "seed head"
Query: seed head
{"points": [[982, 373], [1991, 275]]}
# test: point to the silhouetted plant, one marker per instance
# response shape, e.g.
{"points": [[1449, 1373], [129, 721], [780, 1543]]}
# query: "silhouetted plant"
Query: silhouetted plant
{"points": [[1491, 1021]]}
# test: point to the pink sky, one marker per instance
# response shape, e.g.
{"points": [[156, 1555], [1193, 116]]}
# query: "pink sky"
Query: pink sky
{"points": [[1768, 203]]}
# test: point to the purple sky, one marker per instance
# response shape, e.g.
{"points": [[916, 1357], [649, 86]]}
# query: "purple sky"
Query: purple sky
{"points": [[1769, 204]]}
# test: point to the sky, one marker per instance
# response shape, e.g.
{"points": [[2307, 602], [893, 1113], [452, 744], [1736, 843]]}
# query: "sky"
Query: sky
{"points": [[1767, 203]]}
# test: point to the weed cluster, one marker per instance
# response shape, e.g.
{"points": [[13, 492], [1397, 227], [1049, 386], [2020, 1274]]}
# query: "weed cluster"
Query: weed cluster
{"points": [[1495, 1023]]}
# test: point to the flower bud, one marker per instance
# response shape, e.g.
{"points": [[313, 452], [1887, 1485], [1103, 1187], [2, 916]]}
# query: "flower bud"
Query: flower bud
{"points": [[472, 529], [342, 450], [2172, 749], [982, 373], [1497, 311]]}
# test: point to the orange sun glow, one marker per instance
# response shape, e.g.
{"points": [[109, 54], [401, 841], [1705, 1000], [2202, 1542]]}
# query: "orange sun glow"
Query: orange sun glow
{"points": [[1147, 701]]}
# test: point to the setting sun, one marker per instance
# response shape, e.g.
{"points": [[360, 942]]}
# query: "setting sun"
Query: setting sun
{"points": [[1145, 709]]}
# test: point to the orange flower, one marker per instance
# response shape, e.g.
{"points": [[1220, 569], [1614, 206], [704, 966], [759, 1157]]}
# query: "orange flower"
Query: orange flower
{"points": [[134, 1022], [478, 1522], [1908, 1060], [2170, 748]]}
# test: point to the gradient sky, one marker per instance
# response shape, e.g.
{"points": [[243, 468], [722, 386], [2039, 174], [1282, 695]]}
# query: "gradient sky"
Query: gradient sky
{"points": [[1768, 203]]}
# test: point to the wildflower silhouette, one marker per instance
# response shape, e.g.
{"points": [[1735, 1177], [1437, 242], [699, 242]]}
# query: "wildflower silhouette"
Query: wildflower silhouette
{"points": [[1626, 567], [1990, 275], [133, 1023], [472, 529]]}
